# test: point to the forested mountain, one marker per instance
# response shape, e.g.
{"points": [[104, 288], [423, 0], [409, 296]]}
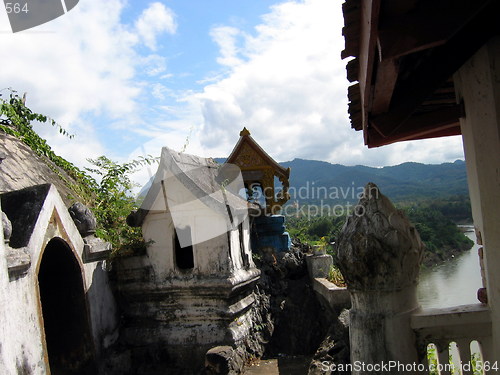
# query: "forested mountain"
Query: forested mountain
{"points": [[404, 182]]}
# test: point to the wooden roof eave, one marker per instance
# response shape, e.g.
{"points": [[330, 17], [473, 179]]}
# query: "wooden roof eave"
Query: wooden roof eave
{"points": [[385, 111], [439, 64], [360, 35]]}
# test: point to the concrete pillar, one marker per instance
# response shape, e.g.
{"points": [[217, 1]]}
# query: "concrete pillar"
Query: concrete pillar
{"points": [[379, 254], [478, 85]]}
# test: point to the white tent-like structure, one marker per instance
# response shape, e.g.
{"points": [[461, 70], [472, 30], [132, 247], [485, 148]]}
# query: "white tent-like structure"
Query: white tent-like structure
{"points": [[192, 289]]}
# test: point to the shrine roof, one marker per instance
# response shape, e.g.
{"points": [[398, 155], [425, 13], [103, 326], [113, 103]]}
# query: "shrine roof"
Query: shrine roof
{"points": [[246, 139], [202, 177]]}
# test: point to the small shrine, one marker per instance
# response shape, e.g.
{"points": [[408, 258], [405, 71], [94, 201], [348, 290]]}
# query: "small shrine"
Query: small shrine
{"points": [[192, 290], [259, 171]]}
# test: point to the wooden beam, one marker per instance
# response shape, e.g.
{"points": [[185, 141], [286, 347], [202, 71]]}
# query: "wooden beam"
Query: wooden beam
{"points": [[385, 81], [437, 123], [376, 140], [434, 119], [436, 69]]}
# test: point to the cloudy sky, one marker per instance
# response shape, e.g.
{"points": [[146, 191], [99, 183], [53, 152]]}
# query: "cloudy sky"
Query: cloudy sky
{"points": [[127, 77]]}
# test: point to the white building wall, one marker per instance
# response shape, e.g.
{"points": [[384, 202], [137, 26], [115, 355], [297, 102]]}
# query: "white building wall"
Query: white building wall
{"points": [[208, 234], [158, 229]]}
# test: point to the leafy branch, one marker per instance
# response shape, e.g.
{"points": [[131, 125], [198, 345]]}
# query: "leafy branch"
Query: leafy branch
{"points": [[108, 193], [16, 119]]}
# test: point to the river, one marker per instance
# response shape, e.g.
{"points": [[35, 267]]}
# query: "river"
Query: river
{"points": [[454, 282]]}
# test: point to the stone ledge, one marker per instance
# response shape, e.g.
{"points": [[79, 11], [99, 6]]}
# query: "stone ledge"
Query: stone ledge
{"points": [[95, 249], [334, 295], [471, 320]]}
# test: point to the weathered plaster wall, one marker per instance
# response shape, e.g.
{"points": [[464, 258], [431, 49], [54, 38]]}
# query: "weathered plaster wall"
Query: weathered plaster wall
{"points": [[23, 343], [103, 310], [210, 257], [209, 230]]}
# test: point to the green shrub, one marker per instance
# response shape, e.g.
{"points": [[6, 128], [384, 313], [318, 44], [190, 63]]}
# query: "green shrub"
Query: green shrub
{"points": [[109, 196]]}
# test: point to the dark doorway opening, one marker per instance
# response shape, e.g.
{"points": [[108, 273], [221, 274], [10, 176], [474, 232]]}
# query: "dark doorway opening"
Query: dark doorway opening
{"points": [[65, 319], [184, 257]]}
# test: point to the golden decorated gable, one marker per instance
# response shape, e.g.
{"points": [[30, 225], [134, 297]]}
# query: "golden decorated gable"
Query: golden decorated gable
{"points": [[248, 158], [259, 169]]}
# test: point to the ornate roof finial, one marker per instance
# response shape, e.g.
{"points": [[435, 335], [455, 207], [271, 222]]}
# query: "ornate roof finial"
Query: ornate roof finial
{"points": [[244, 132]]}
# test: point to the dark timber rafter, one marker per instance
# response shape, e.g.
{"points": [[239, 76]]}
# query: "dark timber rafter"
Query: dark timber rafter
{"points": [[428, 26], [439, 64], [405, 54]]}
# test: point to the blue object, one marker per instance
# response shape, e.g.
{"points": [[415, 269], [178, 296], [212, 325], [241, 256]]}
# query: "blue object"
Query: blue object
{"points": [[269, 231]]}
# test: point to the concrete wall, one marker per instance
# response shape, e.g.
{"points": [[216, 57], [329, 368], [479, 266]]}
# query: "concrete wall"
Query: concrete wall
{"points": [[7, 356], [478, 84]]}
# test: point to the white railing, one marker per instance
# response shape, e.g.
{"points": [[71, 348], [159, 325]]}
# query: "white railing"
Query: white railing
{"points": [[461, 325]]}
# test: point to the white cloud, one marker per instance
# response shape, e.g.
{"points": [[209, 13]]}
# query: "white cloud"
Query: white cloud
{"points": [[226, 39], [83, 70], [288, 85], [289, 88], [284, 81], [157, 18]]}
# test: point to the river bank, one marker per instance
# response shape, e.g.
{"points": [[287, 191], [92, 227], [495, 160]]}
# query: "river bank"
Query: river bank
{"points": [[452, 282], [453, 243]]}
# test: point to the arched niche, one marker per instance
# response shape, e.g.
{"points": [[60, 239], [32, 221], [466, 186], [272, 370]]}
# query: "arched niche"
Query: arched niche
{"points": [[66, 324]]}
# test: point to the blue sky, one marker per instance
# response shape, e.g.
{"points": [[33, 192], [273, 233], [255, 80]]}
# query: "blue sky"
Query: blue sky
{"points": [[128, 77]]}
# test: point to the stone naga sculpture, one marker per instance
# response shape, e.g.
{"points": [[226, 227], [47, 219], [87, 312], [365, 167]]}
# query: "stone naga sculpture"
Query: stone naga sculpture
{"points": [[379, 254]]}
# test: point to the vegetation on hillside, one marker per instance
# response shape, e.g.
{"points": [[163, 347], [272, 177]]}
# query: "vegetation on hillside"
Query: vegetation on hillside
{"points": [[108, 194], [441, 236], [316, 182], [433, 221]]}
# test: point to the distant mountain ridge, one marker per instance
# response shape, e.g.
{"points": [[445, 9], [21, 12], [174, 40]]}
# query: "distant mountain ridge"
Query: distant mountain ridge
{"points": [[406, 181], [312, 181]]}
